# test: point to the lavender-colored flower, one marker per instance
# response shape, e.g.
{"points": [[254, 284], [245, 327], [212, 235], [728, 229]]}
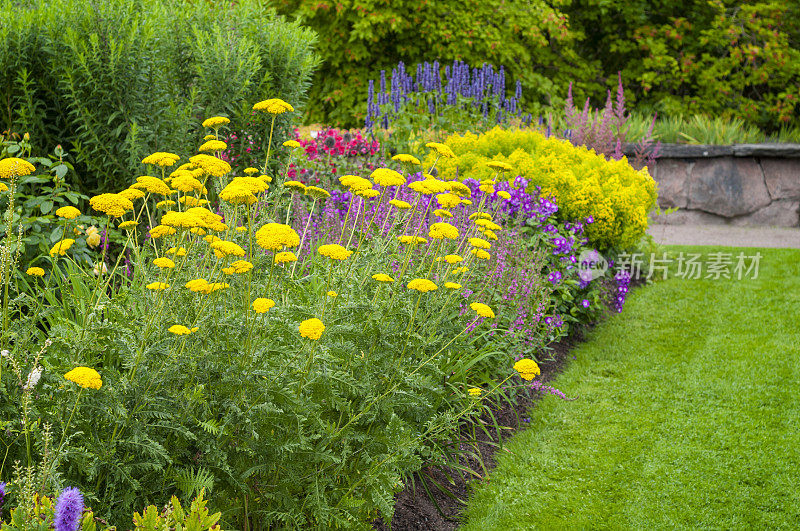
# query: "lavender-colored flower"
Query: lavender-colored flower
{"points": [[69, 508], [2, 492], [585, 303], [554, 277]]}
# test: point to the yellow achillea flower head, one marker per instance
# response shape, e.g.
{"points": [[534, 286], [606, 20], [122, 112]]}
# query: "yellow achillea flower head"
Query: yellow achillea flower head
{"points": [[382, 277], [161, 158], [480, 253], [398, 203], [422, 285], [198, 231], [460, 270], [182, 220], [503, 194], [237, 195], [187, 183], [211, 165], [527, 369], [250, 171], [276, 236], [215, 121], [480, 215], [442, 149], [125, 225], [480, 243], [86, 377], [157, 286], [113, 205], [35, 272], [177, 251], [153, 185], [262, 305], [211, 238], [388, 177], [411, 240], [334, 251], [210, 137], [332, 294], [265, 179], [460, 189], [285, 257], [486, 188], [490, 234], [442, 213], [180, 330], [500, 166], [312, 328], [440, 230], [448, 200], [164, 263], [61, 247], [223, 249], [212, 145], [3, 187], [369, 194], [453, 258], [294, 186], [273, 106], [241, 266], [161, 230], [475, 392], [241, 229], [355, 183], [68, 212], [452, 285], [190, 201], [209, 288], [317, 193], [197, 284], [13, 166], [132, 194], [482, 310], [294, 144], [486, 224], [409, 159]]}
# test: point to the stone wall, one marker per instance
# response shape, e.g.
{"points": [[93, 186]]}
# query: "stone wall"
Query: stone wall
{"points": [[743, 184]]}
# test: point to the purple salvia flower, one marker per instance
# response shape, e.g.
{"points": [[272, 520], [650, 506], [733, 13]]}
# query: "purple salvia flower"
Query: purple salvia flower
{"points": [[2, 492], [69, 508]]}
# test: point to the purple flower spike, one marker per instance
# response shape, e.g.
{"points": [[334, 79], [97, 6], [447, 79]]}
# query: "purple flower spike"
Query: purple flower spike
{"points": [[2, 492], [69, 508]]}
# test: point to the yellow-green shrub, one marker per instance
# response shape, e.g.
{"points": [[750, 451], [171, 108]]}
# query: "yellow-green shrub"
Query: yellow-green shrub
{"points": [[582, 182]]}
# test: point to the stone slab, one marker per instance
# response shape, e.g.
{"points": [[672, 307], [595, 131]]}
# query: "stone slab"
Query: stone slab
{"points": [[782, 177], [727, 187], [672, 176], [767, 150], [688, 217], [779, 213], [725, 235]]}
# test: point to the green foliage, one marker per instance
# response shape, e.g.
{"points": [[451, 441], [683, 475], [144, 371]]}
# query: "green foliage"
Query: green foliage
{"points": [[721, 58], [358, 39], [115, 81], [702, 129]]}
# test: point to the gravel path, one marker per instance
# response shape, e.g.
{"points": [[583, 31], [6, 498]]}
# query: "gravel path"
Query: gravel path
{"points": [[777, 237]]}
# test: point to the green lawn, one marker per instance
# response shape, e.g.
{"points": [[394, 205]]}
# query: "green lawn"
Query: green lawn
{"points": [[689, 415]]}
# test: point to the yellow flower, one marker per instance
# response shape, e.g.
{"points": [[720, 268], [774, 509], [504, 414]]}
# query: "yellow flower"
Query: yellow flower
{"points": [[62, 247], [164, 263], [215, 121], [479, 243], [466, 202], [480, 253], [285, 257], [382, 277], [486, 224], [250, 171], [35, 272], [241, 266], [13, 166], [369, 194], [498, 165], [85, 377], [132, 194], [241, 229], [276, 236], [442, 213], [273, 106], [334, 252], [265, 179], [453, 258], [482, 309], [402, 157], [316, 192], [210, 137], [527, 369], [486, 188], [93, 239], [460, 270], [197, 284], [294, 186], [190, 201], [452, 285], [398, 203], [127, 225], [153, 185], [187, 183], [475, 392], [223, 249], [332, 294], [504, 194], [3, 187], [166, 204], [182, 220], [262, 305], [423, 285], [388, 177], [157, 286], [180, 330], [460, 189], [161, 158], [437, 231], [480, 215], [448, 200], [114, 205], [211, 165], [177, 251], [294, 144], [312, 328], [441, 149], [68, 212], [213, 145], [355, 183], [411, 240], [209, 288], [161, 230]]}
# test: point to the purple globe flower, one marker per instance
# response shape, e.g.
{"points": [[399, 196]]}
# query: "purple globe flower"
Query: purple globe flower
{"points": [[2, 492], [69, 508], [585, 303], [554, 277]]}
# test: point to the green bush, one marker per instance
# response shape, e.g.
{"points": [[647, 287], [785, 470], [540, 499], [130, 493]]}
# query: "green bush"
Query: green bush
{"points": [[358, 39], [114, 81]]}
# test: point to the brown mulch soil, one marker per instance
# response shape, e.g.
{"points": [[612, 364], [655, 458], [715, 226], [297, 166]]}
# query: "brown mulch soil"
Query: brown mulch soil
{"points": [[436, 509]]}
